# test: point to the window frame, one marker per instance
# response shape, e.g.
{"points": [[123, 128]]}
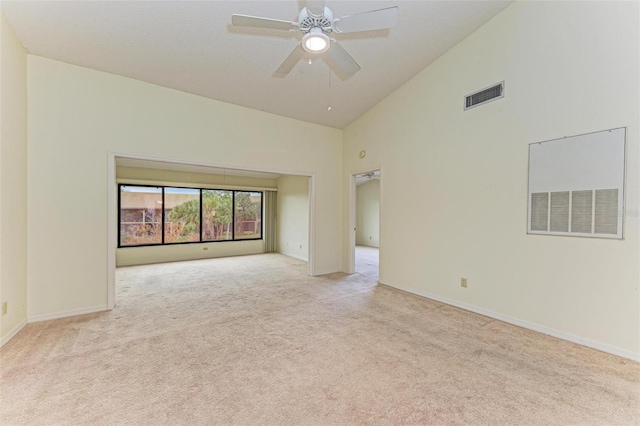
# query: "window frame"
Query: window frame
{"points": [[164, 217], [233, 201], [120, 185], [200, 235]]}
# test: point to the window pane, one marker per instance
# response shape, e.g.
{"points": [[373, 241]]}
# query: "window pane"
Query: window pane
{"points": [[140, 215], [216, 215], [248, 215], [182, 215]]}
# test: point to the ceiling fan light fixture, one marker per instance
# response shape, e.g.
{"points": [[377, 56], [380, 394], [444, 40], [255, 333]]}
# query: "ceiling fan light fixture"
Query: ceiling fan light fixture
{"points": [[315, 41], [316, 22]]}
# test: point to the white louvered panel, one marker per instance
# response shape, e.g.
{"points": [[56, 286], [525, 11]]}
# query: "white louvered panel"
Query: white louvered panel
{"points": [[539, 211], [606, 212], [559, 220], [581, 211]]}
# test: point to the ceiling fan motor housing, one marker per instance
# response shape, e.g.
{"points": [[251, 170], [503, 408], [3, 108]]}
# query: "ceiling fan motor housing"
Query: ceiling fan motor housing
{"points": [[308, 22]]}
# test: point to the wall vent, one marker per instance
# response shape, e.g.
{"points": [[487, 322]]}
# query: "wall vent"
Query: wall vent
{"points": [[585, 212], [485, 95]]}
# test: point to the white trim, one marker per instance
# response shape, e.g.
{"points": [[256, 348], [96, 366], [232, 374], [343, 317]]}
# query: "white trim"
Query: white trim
{"points": [[351, 261], [193, 185], [12, 333], [294, 256], [327, 271], [204, 164], [614, 350], [66, 314], [112, 231], [380, 220], [311, 252], [351, 229]]}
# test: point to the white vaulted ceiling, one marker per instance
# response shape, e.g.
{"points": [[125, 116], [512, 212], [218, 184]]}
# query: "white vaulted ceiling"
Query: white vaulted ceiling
{"points": [[191, 46]]}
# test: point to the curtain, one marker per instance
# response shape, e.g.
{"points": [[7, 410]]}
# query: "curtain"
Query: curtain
{"points": [[270, 231]]}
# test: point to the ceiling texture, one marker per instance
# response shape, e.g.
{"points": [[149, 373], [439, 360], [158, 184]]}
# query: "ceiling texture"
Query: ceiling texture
{"points": [[191, 46]]}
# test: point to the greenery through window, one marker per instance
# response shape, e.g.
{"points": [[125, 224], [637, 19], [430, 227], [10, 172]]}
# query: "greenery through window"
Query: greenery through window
{"points": [[217, 215], [248, 215], [189, 215]]}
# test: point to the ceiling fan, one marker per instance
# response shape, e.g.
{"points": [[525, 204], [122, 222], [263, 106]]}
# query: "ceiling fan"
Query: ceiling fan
{"points": [[316, 22]]}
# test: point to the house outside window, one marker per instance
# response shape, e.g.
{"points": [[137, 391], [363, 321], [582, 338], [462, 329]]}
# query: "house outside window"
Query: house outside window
{"points": [[156, 215]]}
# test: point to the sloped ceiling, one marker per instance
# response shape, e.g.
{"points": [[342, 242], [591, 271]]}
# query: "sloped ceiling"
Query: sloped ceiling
{"points": [[191, 46]]}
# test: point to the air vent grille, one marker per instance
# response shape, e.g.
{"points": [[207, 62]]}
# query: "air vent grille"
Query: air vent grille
{"points": [[540, 211], [483, 96], [581, 211], [559, 217], [585, 212], [606, 214]]}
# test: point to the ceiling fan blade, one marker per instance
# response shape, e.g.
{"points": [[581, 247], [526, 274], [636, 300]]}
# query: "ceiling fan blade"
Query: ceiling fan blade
{"points": [[341, 58], [374, 20], [257, 22], [291, 61], [315, 8]]}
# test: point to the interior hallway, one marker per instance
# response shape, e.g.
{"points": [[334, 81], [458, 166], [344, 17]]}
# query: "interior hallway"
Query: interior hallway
{"points": [[368, 262]]}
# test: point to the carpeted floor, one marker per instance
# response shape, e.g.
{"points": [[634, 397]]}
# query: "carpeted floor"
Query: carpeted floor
{"points": [[253, 340]]}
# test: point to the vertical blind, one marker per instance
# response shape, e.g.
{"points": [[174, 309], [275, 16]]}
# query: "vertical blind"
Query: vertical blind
{"points": [[270, 231]]}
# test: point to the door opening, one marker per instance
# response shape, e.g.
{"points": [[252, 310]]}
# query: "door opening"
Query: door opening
{"points": [[365, 217]]}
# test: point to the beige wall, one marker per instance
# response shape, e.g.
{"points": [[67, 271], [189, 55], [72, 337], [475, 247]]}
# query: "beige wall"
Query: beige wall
{"points": [[368, 213], [570, 68], [133, 174], [128, 256], [13, 181], [171, 253], [77, 116], [293, 216]]}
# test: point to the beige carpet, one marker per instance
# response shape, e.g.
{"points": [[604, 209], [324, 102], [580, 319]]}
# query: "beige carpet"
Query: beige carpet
{"points": [[253, 340]]}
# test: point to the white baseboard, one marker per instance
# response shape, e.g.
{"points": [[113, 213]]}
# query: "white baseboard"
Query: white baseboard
{"points": [[328, 271], [367, 245], [614, 350], [293, 255], [65, 314], [12, 333]]}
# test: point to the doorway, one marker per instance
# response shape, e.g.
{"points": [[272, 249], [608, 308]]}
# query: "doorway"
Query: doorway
{"points": [[175, 167], [365, 216]]}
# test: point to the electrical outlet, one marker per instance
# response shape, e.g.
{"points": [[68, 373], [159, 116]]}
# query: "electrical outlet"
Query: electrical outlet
{"points": [[463, 282], [4, 308]]}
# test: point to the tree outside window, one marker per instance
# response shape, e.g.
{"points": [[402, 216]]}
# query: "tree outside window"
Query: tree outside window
{"points": [[169, 215]]}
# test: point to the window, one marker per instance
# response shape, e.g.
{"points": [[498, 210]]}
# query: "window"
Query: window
{"points": [[248, 209], [150, 215], [181, 215], [140, 215], [217, 215]]}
